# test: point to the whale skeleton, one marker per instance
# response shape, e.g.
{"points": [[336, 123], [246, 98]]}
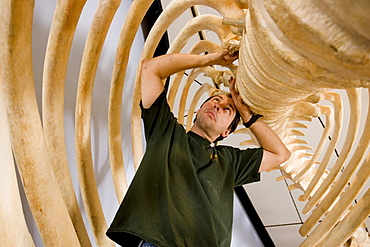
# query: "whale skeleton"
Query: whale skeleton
{"points": [[293, 56]]}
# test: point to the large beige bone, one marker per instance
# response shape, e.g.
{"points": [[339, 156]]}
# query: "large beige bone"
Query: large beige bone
{"points": [[14, 231], [28, 142], [335, 47], [341, 46], [131, 25], [61, 34], [89, 190]]}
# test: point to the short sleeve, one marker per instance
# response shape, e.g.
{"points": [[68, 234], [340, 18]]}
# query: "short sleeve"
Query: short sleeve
{"points": [[157, 117], [247, 166]]}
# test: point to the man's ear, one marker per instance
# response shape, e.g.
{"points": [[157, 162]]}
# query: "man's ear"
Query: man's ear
{"points": [[195, 119], [225, 133]]}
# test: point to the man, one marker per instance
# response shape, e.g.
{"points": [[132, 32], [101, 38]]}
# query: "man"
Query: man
{"points": [[182, 194]]}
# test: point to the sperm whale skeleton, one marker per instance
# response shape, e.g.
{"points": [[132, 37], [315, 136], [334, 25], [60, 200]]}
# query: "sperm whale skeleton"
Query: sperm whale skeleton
{"points": [[293, 56]]}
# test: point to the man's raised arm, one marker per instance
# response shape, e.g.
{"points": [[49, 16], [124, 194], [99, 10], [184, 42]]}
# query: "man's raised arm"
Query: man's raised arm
{"points": [[274, 150], [154, 70]]}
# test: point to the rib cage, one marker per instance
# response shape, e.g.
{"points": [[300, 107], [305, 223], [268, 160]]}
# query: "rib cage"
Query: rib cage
{"points": [[290, 61]]}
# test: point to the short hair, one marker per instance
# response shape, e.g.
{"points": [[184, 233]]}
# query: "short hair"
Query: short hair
{"points": [[233, 125]]}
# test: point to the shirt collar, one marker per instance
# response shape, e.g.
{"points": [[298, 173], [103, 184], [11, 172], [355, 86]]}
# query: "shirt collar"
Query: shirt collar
{"points": [[202, 141]]}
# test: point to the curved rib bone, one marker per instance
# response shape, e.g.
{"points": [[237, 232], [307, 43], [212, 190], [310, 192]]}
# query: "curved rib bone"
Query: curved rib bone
{"points": [[56, 60], [341, 207], [14, 231], [131, 25], [327, 111], [89, 190], [343, 180], [355, 104], [203, 22], [28, 142], [348, 225], [338, 117]]}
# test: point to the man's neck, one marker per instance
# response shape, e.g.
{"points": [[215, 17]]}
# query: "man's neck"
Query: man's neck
{"points": [[202, 133]]}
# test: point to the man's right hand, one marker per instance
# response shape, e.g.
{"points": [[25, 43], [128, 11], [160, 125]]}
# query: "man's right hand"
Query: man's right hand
{"points": [[223, 58]]}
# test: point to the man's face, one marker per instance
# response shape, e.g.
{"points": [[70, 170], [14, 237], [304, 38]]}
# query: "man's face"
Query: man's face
{"points": [[216, 115]]}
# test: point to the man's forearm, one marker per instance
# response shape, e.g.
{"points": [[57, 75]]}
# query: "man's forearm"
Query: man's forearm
{"points": [[266, 137], [275, 150], [154, 70], [166, 65]]}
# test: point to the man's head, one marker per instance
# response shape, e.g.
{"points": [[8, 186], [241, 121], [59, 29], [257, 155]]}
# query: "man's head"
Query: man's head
{"points": [[217, 117]]}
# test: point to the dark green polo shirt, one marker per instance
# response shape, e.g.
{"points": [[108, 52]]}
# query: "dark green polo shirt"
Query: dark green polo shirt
{"points": [[182, 193]]}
